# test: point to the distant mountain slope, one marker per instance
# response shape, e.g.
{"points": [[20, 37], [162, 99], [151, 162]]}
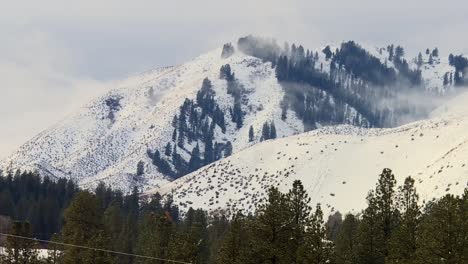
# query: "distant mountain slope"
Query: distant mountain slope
{"points": [[158, 126], [338, 165], [106, 139]]}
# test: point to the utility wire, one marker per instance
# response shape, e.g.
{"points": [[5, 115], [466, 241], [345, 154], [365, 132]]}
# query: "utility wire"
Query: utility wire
{"points": [[95, 249]]}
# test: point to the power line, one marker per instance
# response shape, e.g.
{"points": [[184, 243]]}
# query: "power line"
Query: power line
{"points": [[95, 249]]}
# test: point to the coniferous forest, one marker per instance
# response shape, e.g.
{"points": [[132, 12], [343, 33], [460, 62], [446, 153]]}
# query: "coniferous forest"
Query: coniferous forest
{"points": [[396, 227]]}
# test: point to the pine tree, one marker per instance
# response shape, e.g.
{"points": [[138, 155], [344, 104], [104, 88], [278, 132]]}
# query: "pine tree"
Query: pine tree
{"points": [[265, 132], [236, 246], [271, 230], [370, 246], [208, 155], [140, 168], [251, 134], [190, 243], [7, 205], [346, 241], [154, 237], [386, 209], [175, 120], [420, 60], [446, 79], [443, 231], [20, 250], [228, 149], [333, 225], [272, 131], [168, 149], [301, 219], [228, 50], [399, 52], [328, 53], [83, 226], [195, 161], [403, 239], [174, 135], [316, 248]]}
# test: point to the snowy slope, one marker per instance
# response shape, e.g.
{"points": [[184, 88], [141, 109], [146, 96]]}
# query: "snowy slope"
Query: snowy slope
{"points": [[338, 165], [108, 137], [96, 145]]}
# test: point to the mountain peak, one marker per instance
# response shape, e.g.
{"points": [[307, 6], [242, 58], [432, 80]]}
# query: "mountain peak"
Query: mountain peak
{"points": [[163, 124]]}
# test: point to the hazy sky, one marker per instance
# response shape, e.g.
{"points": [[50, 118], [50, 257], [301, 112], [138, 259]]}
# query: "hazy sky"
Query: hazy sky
{"points": [[56, 54]]}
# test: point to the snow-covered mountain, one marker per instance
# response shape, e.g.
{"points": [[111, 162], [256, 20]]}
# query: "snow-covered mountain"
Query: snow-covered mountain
{"points": [[338, 165], [131, 136], [106, 139]]}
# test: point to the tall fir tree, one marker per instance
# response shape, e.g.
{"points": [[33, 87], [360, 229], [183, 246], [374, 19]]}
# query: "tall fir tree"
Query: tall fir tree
{"points": [[443, 231], [402, 246], [19, 250], [271, 230], [346, 241], [301, 221], [251, 134], [316, 248], [236, 246], [370, 237], [195, 161], [83, 226]]}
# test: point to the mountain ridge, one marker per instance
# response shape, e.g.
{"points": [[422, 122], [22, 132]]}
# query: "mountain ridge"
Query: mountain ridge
{"points": [[338, 165], [111, 136]]}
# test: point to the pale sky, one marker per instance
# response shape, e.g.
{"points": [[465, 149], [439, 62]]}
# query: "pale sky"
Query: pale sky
{"points": [[57, 54]]}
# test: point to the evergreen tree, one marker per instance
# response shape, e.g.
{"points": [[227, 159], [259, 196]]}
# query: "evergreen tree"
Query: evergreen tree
{"points": [[228, 149], [236, 246], [140, 168], [420, 60], [272, 131], [403, 239], [195, 161], [333, 225], [174, 135], [208, 155], [251, 134], [20, 250], [316, 248], [154, 237], [271, 230], [328, 53], [387, 212], [301, 219], [265, 132], [346, 241], [228, 50], [370, 237], [7, 206], [83, 226], [443, 231], [175, 120], [168, 149], [446, 79], [391, 52], [399, 52], [190, 243]]}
